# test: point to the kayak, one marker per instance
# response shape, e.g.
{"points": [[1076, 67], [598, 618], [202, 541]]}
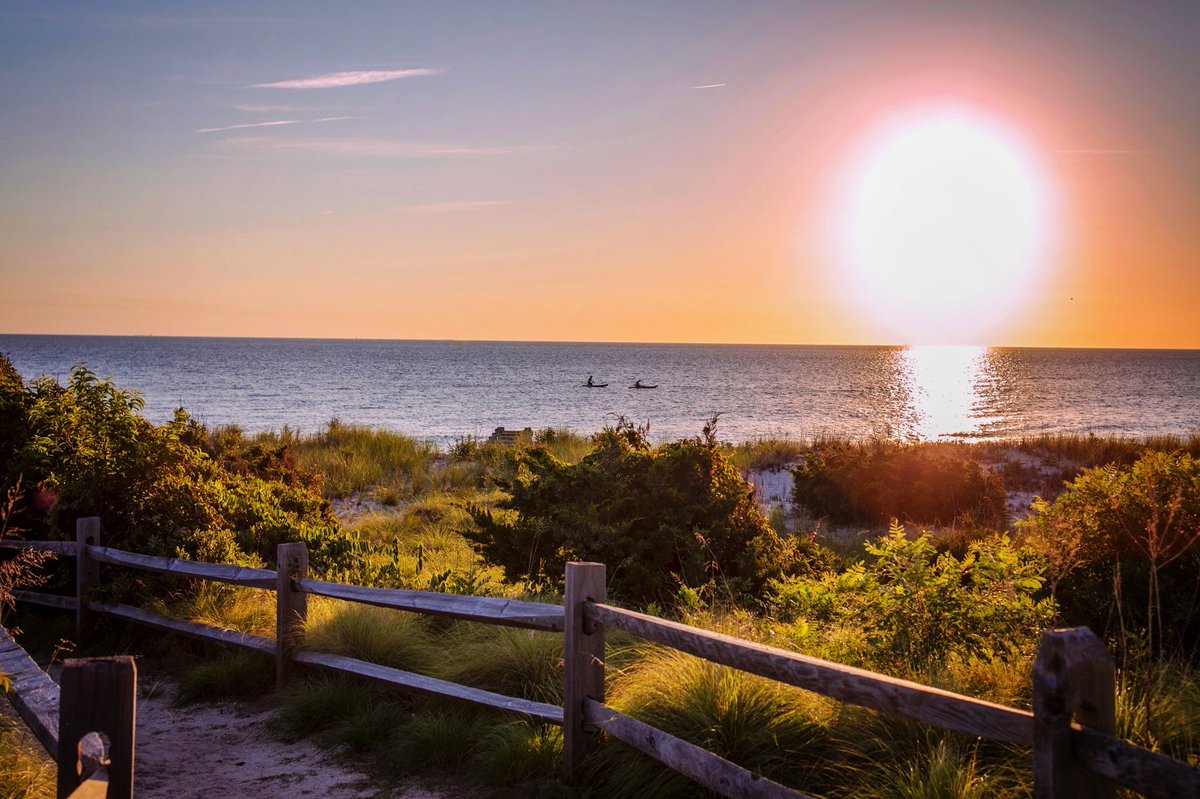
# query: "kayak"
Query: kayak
{"points": [[596, 385], [655, 386]]}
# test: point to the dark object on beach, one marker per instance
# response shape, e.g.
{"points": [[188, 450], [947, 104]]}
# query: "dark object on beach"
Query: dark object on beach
{"points": [[638, 384]]}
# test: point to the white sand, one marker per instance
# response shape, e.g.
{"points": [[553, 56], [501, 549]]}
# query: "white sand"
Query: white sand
{"points": [[223, 749]]}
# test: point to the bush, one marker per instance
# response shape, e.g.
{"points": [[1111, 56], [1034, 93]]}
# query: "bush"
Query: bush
{"points": [[83, 449], [658, 518], [876, 482], [1123, 545], [917, 609]]}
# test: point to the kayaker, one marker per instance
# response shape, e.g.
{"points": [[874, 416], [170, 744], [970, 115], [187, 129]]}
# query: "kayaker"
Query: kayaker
{"points": [[590, 383], [637, 384]]}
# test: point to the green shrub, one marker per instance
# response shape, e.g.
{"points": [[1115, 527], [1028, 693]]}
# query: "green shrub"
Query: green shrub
{"points": [[1124, 544], [83, 449], [915, 608], [658, 518], [879, 481]]}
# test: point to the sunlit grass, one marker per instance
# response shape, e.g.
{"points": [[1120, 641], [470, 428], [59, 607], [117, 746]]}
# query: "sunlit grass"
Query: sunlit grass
{"points": [[767, 453], [26, 771], [354, 458], [377, 635]]}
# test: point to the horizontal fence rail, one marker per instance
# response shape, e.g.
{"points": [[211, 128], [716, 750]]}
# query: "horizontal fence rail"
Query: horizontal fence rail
{"points": [[188, 628], [216, 572], [489, 610], [1074, 753], [58, 547], [867, 689], [431, 686]]}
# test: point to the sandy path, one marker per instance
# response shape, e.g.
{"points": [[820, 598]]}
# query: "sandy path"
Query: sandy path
{"points": [[223, 749]]}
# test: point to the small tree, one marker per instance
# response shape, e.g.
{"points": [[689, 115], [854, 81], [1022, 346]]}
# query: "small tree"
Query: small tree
{"points": [[1117, 533]]}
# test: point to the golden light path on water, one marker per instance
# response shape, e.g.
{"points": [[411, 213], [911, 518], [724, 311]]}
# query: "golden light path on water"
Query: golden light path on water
{"points": [[946, 390]]}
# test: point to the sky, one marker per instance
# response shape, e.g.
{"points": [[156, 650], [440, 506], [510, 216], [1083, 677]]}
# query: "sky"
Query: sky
{"points": [[607, 171]]}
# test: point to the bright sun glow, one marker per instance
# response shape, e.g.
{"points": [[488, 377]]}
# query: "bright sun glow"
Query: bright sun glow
{"points": [[943, 226]]}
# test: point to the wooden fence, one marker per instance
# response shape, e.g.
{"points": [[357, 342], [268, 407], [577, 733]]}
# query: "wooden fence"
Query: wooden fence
{"points": [[97, 695], [1070, 731]]}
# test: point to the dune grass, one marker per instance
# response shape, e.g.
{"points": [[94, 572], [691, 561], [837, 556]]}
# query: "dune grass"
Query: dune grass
{"points": [[355, 458], [26, 771]]}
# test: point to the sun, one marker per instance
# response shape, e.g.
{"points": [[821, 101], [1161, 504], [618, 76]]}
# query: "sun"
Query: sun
{"points": [[943, 225]]}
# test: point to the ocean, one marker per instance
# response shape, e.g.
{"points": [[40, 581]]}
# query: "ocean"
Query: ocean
{"points": [[445, 390]]}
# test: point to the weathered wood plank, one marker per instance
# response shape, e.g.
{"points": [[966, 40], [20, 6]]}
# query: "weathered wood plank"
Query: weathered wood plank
{"points": [[291, 606], [583, 661], [144, 617], [66, 548], [489, 610], [944, 709], [94, 787], [694, 762], [98, 695], [1149, 773], [34, 695], [217, 572], [1073, 681], [87, 572], [49, 600], [551, 714]]}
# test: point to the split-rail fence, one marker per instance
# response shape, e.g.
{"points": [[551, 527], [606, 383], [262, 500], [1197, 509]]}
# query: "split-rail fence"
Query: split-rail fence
{"points": [[1070, 732]]}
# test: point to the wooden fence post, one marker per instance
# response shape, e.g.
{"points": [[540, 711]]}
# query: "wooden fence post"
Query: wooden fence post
{"points": [[1073, 680], [87, 574], [291, 606], [97, 695], [583, 660]]}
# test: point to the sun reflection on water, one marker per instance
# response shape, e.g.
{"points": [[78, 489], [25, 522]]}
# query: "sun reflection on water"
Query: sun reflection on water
{"points": [[944, 390]]}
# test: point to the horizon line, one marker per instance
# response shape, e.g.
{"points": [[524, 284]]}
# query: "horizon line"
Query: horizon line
{"points": [[619, 343]]}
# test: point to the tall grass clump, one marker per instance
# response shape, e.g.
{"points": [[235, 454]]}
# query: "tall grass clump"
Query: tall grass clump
{"points": [[942, 771], [775, 730], [378, 635], [354, 458], [25, 770], [506, 660], [319, 704], [1087, 451], [763, 454], [226, 607], [245, 675], [564, 444]]}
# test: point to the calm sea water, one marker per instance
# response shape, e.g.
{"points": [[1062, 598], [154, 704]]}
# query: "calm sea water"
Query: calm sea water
{"points": [[445, 390]]}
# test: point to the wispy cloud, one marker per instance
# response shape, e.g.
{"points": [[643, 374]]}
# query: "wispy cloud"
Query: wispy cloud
{"points": [[262, 109], [332, 119], [450, 207], [271, 145], [250, 125], [710, 85], [335, 80]]}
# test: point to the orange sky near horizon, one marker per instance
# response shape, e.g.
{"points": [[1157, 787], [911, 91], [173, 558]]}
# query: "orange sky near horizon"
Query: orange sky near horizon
{"points": [[647, 212]]}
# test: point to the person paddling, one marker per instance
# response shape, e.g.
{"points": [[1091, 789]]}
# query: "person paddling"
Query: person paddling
{"points": [[637, 384], [590, 383]]}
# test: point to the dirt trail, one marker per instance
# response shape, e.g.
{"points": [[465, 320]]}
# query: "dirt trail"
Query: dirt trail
{"points": [[223, 749]]}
